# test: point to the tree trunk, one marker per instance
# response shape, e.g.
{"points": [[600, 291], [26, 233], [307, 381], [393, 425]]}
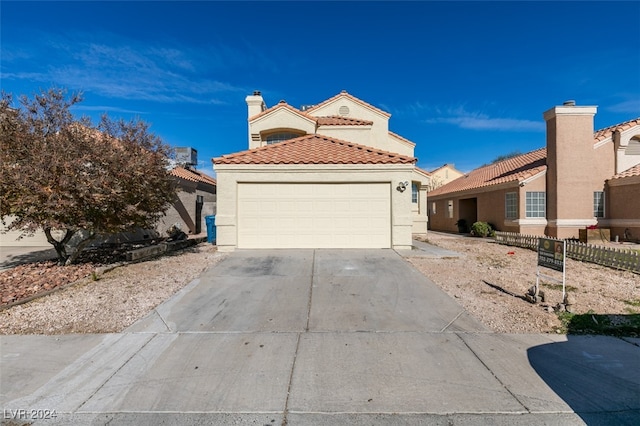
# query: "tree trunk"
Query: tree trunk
{"points": [[61, 250], [81, 245]]}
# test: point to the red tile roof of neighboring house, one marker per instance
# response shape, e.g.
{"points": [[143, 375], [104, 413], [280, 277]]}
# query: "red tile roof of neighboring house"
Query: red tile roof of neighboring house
{"points": [[314, 149], [401, 138], [605, 133], [633, 171], [336, 120], [353, 98], [514, 169], [192, 175]]}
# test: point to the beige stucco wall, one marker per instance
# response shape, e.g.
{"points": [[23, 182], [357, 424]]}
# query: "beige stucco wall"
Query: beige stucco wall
{"points": [[379, 133], [627, 149], [281, 118], [419, 209], [400, 146], [12, 238], [444, 175], [228, 176], [356, 134], [183, 211]]}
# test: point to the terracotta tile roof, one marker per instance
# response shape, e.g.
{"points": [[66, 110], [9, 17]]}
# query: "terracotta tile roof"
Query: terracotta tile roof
{"points": [[192, 175], [337, 120], [605, 133], [401, 138], [280, 105], [514, 169], [314, 149], [353, 98], [633, 171]]}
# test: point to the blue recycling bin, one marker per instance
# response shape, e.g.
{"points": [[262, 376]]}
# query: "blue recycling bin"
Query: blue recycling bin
{"points": [[211, 228]]}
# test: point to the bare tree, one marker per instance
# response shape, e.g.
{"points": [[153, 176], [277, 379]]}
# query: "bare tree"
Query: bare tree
{"points": [[434, 182], [60, 173]]}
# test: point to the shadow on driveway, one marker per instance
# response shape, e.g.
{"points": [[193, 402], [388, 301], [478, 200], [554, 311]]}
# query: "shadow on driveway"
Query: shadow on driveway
{"points": [[597, 376]]}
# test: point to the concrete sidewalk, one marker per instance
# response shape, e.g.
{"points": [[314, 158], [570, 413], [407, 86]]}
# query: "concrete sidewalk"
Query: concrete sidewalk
{"points": [[310, 337]]}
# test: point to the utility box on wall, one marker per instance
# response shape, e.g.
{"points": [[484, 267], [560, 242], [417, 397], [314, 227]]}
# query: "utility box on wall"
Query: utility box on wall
{"points": [[594, 235]]}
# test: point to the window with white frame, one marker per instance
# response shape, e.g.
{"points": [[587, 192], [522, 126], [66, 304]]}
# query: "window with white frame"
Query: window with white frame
{"points": [[598, 204], [281, 136], [450, 209], [433, 207], [414, 193], [511, 205], [535, 204]]}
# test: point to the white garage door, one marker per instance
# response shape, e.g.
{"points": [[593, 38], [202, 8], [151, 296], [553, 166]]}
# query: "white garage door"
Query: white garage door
{"points": [[314, 215]]}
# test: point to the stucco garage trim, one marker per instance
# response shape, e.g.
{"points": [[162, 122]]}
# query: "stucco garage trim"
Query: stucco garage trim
{"points": [[231, 177]]}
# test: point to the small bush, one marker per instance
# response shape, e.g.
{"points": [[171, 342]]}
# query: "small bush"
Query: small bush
{"points": [[462, 226], [482, 229]]}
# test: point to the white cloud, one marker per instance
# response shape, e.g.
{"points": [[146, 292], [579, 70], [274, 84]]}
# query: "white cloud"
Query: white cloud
{"points": [[464, 119], [631, 106], [124, 69]]}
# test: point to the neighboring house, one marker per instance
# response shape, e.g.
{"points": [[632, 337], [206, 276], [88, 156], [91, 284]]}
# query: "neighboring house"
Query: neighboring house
{"points": [[330, 175], [196, 200], [582, 178], [443, 175]]}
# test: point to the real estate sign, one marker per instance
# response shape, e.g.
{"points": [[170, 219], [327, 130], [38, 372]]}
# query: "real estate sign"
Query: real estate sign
{"points": [[551, 253]]}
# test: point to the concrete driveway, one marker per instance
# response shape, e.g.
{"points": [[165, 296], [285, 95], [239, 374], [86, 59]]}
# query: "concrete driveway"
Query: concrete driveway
{"points": [[306, 337]]}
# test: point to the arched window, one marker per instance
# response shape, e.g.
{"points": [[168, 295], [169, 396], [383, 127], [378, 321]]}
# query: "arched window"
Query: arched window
{"points": [[634, 146], [282, 135]]}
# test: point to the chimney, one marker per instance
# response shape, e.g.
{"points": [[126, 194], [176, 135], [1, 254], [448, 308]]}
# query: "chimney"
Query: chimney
{"points": [[255, 103], [570, 156]]}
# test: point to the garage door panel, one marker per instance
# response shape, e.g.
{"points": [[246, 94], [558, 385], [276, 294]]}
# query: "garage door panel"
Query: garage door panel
{"points": [[286, 215]]}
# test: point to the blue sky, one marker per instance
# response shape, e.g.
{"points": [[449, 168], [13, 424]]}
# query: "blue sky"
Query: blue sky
{"points": [[466, 81]]}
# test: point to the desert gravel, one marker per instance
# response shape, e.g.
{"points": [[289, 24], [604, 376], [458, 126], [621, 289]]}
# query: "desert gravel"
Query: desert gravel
{"points": [[114, 301], [592, 288], [127, 293]]}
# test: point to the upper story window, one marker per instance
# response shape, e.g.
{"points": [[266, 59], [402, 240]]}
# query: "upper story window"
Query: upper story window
{"points": [[281, 136]]}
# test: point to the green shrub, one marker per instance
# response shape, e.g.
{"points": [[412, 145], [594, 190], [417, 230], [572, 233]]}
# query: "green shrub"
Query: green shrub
{"points": [[482, 229], [462, 226]]}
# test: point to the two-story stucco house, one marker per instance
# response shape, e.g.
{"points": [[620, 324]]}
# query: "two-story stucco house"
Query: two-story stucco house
{"points": [[330, 175]]}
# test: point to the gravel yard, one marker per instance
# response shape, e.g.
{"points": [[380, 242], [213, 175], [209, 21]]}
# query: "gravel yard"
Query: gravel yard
{"points": [[109, 304], [593, 288], [113, 300]]}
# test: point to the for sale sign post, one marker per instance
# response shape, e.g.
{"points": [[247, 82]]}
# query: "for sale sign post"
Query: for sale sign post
{"points": [[551, 253]]}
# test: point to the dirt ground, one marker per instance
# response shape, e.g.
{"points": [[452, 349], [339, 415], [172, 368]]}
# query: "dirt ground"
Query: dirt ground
{"points": [[108, 302], [591, 288]]}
